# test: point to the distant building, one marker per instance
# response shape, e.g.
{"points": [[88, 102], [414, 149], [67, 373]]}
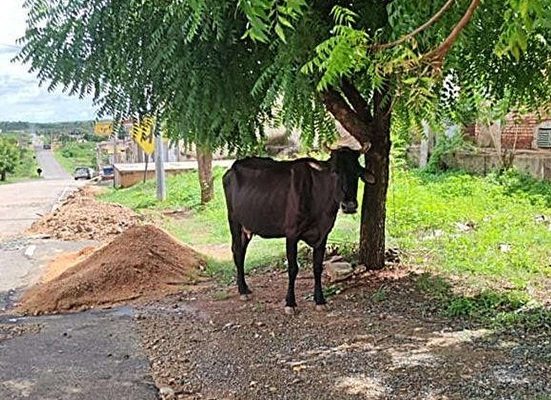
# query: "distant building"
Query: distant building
{"points": [[528, 132]]}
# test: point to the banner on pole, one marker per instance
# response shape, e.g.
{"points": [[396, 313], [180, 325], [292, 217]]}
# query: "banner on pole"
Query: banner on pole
{"points": [[143, 134], [103, 128]]}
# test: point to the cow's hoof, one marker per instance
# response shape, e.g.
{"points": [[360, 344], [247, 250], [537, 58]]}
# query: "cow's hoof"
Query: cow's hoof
{"points": [[244, 297], [290, 310], [322, 307]]}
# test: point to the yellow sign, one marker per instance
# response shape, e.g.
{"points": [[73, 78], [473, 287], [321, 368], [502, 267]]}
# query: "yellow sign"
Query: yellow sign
{"points": [[143, 133], [103, 128]]}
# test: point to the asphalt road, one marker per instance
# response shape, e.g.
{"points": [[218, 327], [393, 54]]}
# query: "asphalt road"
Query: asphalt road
{"points": [[84, 356], [51, 169], [23, 202]]}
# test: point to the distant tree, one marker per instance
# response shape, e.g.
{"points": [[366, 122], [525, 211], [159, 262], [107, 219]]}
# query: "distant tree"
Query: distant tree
{"points": [[9, 157]]}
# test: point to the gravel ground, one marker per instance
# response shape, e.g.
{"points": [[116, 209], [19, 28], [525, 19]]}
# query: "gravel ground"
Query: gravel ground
{"points": [[209, 345], [9, 331]]}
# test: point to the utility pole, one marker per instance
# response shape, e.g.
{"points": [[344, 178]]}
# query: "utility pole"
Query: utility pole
{"points": [[160, 166]]}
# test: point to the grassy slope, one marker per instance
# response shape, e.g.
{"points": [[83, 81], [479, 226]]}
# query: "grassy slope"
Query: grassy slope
{"points": [[423, 213], [72, 155]]}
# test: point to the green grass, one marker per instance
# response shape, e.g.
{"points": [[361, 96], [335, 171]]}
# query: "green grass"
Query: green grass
{"points": [[500, 309], [502, 210], [72, 155], [26, 169], [503, 219]]}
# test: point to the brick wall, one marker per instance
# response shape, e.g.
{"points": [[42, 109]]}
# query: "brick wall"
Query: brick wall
{"points": [[516, 132], [522, 131]]}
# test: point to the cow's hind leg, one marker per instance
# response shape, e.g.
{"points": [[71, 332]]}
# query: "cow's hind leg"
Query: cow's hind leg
{"points": [[319, 254], [240, 241], [290, 301]]}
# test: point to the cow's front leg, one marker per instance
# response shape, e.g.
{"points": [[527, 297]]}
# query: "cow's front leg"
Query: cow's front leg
{"points": [[240, 241], [319, 254], [290, 302]]}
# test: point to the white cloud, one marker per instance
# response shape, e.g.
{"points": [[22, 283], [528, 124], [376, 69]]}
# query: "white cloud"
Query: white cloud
{"points": [[21, 99]]}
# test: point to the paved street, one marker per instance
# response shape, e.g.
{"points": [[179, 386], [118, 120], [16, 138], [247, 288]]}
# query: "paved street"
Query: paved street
{"points": [[23, 202], [87, 356]]}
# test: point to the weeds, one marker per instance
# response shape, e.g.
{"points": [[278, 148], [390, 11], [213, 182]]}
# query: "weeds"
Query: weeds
{"points": [[500, 310]]}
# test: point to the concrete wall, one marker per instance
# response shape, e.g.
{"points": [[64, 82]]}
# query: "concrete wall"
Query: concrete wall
{"points": [[536, 164], [124, 179], [127, 175], [531, 162]]}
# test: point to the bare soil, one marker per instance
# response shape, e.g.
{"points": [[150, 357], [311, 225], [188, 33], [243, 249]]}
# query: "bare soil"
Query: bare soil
{"points": [[81, 216], [144, 262], [382, 339], [64, 261]]}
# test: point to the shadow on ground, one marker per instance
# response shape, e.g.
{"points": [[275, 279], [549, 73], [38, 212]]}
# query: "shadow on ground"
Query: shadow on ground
{"points": [[386, 337]]}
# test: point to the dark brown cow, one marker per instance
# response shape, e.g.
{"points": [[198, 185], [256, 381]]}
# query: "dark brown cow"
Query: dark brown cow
{"points": [[297, 200]]}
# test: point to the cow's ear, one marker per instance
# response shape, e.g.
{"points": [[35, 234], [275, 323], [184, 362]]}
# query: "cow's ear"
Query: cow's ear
{"points": [[367, 177]]}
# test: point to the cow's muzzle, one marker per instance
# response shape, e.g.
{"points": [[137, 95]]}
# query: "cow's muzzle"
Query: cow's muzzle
{"points": [[349, 207]]}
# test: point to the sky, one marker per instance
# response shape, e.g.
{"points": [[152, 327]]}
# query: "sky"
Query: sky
{"points": [[21, 98]]}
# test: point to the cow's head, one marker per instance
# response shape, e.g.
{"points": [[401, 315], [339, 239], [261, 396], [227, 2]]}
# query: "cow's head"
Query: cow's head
{"points": [[345, 163]]}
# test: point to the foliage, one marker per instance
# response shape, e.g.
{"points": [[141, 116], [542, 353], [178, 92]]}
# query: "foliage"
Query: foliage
{"points": [[368, 45], [516, 184], [503, 238], [503, 309], [9, 156], [48, 128], [73, 154], [216, 72], [445, 146]]}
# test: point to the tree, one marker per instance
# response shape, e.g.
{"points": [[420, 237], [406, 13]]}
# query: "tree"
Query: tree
{"points": [[376, 62], [220, 69], [137, 58], [9, 157]]}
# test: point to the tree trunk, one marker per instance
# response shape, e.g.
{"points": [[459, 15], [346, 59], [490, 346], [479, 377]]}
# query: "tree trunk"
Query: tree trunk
{"points": [[373, 128], [204, 161], [2, 176], [373, 213]]}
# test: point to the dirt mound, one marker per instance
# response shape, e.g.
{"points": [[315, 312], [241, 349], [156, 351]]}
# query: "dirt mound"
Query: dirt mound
{"points": [[143, 262], [64, 261], [81, 216]]}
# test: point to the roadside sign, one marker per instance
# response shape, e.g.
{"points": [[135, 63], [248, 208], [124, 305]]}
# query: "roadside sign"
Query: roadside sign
{"points": [[143, 133], [103, 128]]}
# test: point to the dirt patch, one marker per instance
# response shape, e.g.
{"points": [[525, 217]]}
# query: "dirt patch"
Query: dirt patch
{"points": [[81, 216], [219, 252], [143, 262], [382, 339]]}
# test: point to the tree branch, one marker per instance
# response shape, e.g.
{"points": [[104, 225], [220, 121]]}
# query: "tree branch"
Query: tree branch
{"points": [[437, 55], [356, 99], [342, 112], [420, 29]]}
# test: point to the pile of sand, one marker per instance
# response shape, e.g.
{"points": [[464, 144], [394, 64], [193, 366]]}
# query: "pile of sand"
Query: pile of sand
{"points": [[142, 262], [81, 216]]}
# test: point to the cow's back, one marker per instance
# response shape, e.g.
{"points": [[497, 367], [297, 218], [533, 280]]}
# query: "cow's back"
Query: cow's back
{"points": [[281, 199]]}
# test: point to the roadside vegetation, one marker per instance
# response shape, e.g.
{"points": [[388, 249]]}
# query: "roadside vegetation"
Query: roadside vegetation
{"points": [[73, 154], [17, 158], [490, 236]]}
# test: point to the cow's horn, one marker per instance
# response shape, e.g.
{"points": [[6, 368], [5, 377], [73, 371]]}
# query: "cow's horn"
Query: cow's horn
{"points": [[327, 147], [365, 147]]}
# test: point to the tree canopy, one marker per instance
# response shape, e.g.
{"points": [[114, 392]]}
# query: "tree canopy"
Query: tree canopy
{"points": [[218, 70]]}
